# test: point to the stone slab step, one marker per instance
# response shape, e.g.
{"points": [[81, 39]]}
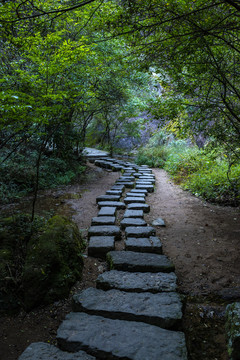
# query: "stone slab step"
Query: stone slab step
{"points": [[144, 179], [128, 184], [137, 282], [126, 178], [161, 309], [108, 198], [132, 222], [143, 191], [133, 194], [120, 339], [149, 188], [143, 182], [117, 204], [105, 230], [103, 220], [44, 351], [150, 245], [136, 261], [139, 206], [118, 187], [134, 200], [133, 214], [140, 231], [107, 211], [114, 192], [99, 246]]}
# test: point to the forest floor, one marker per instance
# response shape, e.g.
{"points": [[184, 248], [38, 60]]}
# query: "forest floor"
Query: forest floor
{"points": [[200, 238]]}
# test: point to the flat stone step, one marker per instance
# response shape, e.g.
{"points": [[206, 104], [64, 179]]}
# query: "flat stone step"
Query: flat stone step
{"points": [[133, 214], [136, 261], [117, 204], [139, 206], [99, 246], [126, 178], [107, 211], [103, 220], [118, 187], [150, 245], [114, 192], [143, 191], [137, 282], [132, 222], [127, 184], [119, 339], [134, 200], [44, 351], [149, 188], [108, 198], [161, 309], [139, 231], [144, 182], [105, 230], [133, 194]]}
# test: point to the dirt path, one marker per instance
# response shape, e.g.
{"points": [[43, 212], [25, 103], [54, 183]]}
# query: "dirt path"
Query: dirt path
{"points": [[201, 239]]}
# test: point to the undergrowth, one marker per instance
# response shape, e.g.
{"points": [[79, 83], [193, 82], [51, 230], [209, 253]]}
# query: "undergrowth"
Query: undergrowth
{"points": [[206, 172]]}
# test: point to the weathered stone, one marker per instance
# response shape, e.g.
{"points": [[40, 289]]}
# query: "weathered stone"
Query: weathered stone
{"points": [[132, 200], [233, 330], [139, 191], [118, 187], [143, 182], [132, 222], [105, 230], [107, 211], [149, 188], [136, 261], [144, 207], [44, 351], [127, 184], [119, 339], [117, 204], [103, 220], [161, 309], [137, 282], [108, 198], [147, 178], [151, 244], [126, 178], [139, 231], [133, 194], [158, 222], [133, 214], [114, 192], [99, 245]]}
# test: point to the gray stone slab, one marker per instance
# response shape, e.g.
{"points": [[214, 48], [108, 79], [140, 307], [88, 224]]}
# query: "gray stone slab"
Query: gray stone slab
{"points": [[151, 244], [139, 191], [158, 222], [132, 200], [137, 261], [99, 246], [117, 204], [103, 220], [118, 187], [134, 194], [138, 206], [127, 185], [44, 351], [137, 282], [120, 339], [132, 222], [133, 214], [114, 192], [126, 178], [107, 211], [161, 309], [149, 188], [108, 198], [143, 182], [139, 231], [105, 230]]}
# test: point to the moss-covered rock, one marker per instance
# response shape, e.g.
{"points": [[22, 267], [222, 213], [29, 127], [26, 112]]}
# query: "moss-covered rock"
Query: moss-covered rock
{"points": [[53, 262], [233, 330]]}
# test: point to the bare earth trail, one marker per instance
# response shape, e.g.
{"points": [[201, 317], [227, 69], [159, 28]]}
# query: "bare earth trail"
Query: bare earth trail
{"points": [[202, 240]]}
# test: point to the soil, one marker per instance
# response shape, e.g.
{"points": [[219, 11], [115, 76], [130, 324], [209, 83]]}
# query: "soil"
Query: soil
{"points": [[200, 238]]}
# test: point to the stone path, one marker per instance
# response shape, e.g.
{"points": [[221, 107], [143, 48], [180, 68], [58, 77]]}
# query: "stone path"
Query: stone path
{"points": [[135, 312]]}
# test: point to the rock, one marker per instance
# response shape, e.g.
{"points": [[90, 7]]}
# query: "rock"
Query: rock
{"points": [[114, 192], [139, 231], [151, 244], [134, 200], [161, 309], [43, 351], [107, 211], [105, 230], [133, 214], [149, 188], [108, 198], [139, 191], [127, 184], [118, 187], [158, 222], [233, 330], [137, 282], [116, 204], [132, 194], [136, 261], [132, 222], [120, 339], [99, 246], [139, 206], [103, 220]]}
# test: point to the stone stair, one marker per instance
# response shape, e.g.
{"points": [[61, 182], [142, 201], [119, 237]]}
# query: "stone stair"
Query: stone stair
{"points": [[135, 311]]}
